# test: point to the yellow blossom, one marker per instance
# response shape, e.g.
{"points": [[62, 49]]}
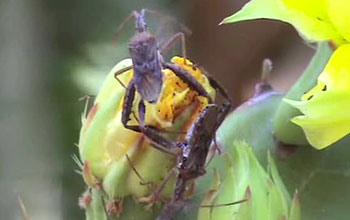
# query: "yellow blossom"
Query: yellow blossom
{"points": [[325, 118]]}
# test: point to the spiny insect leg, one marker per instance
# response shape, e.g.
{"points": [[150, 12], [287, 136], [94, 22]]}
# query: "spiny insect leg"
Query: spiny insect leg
{"points": [[215, 84], [171, 42], [190, 80], [159, 141], [127, 107]]}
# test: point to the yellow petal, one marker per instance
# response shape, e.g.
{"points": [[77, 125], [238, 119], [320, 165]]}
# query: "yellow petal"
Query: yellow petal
{"points": [[339, 13], [336, 75], [326, 117]]}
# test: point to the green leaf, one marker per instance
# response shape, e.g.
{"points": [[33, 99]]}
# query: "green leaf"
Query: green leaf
{"points": [[295, 209], [321, 177], [278, 181], [244, 176], [310, 18]]}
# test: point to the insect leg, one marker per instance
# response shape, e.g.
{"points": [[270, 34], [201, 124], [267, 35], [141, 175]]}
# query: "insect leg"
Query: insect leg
{"points": [[223, 205], [176, 204], [215, 84], [127, 106], [121, 71], [177, 37], [142, 180], [159, 142], [224, 109], [190, 80], [162, 185]]}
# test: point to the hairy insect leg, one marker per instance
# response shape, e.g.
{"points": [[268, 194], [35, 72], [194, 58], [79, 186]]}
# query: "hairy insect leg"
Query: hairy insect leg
{"points": [[177, 37], [189, 79], [127, 106], [121, 71]]}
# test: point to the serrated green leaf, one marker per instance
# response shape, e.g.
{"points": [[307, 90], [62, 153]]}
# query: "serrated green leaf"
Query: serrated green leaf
{"points": [[278, 181], [321, 177], [243, 173], [295, 209], [205, 212]]}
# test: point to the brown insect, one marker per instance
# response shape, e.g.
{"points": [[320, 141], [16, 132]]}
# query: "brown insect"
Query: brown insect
{"points": [[194, 150], [147, 65]]}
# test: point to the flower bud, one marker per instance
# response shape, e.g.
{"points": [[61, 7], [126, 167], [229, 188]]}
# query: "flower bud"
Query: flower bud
{"points": [[122, 162]]}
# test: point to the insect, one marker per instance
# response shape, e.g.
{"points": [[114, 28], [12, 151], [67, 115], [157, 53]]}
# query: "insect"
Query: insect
{"points": [[194, 150], [147, 65], [192, 161]]}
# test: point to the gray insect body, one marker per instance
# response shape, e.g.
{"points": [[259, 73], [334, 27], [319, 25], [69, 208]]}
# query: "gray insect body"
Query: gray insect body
{"points": [[147, 66]]}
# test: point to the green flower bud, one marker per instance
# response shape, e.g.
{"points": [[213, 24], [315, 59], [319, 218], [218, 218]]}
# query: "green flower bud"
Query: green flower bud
{"points": [[123, 163]]}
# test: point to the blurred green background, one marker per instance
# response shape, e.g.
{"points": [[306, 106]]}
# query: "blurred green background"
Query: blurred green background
{"points": [[54, 52]]}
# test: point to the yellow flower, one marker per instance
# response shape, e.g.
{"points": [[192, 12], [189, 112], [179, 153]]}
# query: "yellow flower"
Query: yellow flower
{"points": [[326, 112], [104, 143], [325, 118]]}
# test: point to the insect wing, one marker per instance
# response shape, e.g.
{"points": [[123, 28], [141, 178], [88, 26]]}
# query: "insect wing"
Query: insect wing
{"points": [[148, 80], [146, 60]]}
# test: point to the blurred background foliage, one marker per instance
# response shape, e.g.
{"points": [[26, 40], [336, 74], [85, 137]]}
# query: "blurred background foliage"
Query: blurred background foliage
{"points": [[54, 52]]}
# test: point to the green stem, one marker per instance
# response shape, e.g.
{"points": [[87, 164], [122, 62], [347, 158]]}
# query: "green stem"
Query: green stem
{"points": [[285, 130]]}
